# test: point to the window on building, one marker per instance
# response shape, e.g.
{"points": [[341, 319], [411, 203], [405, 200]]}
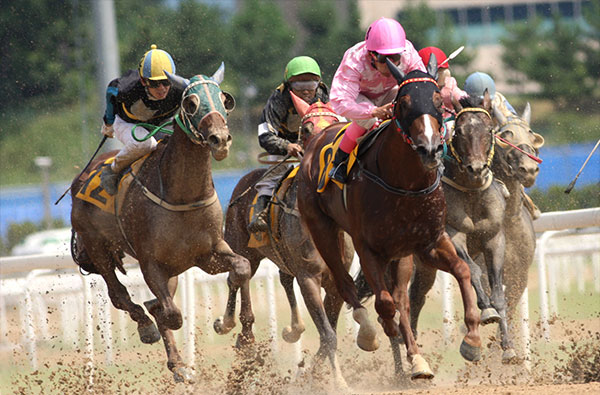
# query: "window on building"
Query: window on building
{"points": [[565, 9], [453, 14], [543, 10], [474, 16], [497, 14], [519, 12]]}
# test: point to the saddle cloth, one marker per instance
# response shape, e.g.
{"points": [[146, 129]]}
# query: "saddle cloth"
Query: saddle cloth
{"points": [[262, 239], [92, 192]]}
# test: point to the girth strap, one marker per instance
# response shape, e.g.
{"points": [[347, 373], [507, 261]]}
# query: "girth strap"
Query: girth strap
{"points": [[177, 207]]}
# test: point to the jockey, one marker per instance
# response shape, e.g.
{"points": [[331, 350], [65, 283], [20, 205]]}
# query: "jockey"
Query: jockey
{"points": [[448, 86], [475, 85], [139, 96], [363, 87], [278, 131]]}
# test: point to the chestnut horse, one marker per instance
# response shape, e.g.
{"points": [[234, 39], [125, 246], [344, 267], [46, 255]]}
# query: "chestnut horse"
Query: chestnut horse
{"points": [[291, 249], [169, 220], [395, 208]]}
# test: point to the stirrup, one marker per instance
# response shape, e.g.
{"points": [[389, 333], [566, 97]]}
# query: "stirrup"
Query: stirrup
{"points": [[338, 173]]}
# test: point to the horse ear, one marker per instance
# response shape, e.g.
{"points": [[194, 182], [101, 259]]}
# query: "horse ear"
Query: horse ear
{"points": [[487, 102], [219, 75], [527, 113], [432, 67], [228, 101], [300, 104], [456, 104], [396, 72], [177, 80], [499, 116], [538, 140]]}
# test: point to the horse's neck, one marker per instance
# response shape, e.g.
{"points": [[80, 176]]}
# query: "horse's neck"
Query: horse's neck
{"points": [[185, 168], [452, 171], [398, 164], [515, 200]]}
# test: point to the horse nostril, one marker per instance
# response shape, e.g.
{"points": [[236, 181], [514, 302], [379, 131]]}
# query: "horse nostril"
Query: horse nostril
{"points": [[229, 138], [213, 140]]}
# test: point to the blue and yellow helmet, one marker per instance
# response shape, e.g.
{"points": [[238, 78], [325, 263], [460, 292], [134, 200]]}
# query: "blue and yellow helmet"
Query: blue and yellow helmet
{"points": [[154, 62]]}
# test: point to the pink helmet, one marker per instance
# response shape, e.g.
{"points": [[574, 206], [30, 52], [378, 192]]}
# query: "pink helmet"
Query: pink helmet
{"points": [[385, 36]]}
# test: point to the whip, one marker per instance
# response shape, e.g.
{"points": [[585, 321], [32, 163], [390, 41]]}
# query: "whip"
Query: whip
{"points": [[572, 184]]}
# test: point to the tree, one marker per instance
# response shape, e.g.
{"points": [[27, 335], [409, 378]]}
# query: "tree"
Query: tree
{"points": [[562, 58], [328, 37]]}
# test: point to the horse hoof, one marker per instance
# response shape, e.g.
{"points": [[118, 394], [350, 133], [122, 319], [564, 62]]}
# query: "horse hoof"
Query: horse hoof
{"points": [[367, 338], [420, 368], [149, 334], [244, 341], [509, 357], [469, 352], [489, 316], [221, 328], [292, 335], [182, 374]]}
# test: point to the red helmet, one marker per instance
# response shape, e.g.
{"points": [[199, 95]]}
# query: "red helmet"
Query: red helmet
{"points": [[426, 52]]}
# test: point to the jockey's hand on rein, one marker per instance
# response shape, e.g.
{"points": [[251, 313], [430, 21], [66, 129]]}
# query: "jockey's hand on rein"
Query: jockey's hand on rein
{"points": [[383, 112], [108, 130], [294, 149]]}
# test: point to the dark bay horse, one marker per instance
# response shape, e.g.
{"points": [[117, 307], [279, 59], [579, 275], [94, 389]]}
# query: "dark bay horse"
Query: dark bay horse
{"points": [[291, 249], [169, 220], [395, 208]]}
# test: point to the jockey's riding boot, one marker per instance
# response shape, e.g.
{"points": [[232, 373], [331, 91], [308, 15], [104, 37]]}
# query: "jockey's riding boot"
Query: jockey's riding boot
{"points": [[109, 180], [259, 218], [340, 166], [530, 206]]}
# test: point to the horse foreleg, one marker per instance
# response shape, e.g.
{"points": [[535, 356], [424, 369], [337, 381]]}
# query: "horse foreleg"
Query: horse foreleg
{"points": [[488, 313], [240, 272], [181, 373], [443, 256], [310, 287], [494, 257], [291, 334], [401, 272], [226, 323], [121, 300]]}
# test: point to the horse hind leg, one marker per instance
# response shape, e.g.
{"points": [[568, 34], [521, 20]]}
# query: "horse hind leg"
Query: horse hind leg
{"points": [[291, 334], [311, 292]]}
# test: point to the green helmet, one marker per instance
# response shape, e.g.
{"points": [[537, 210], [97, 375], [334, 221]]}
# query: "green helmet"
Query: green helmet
{"points": [[301, 65]]}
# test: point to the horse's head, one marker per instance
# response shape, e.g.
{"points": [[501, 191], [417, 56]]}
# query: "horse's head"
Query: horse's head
{"points": [[204, 110], [418, 112], [516, 131], [315, 117], [472, 143]]}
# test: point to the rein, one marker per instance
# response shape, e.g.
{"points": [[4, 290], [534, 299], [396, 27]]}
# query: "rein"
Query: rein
{"points": [[532, 157]]}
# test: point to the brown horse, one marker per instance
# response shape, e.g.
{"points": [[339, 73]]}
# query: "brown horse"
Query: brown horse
{"points": [[395, 208], [169, 219], [291, 249]]}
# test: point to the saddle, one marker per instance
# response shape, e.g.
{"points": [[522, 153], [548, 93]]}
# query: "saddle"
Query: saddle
{"points": [[276, 205], [328, 151], [92, 192]]}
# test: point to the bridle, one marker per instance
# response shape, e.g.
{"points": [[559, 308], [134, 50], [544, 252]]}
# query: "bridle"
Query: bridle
{"points": [[491, 150], [521, 123]]}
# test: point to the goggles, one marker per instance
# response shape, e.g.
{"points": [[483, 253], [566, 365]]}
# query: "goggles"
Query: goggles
{"points": [[394, 58], [157, 83], [304, 85]]}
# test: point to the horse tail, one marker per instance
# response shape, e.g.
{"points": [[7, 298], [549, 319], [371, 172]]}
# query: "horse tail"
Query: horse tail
{"points": [[362, 287], [80, 255]]}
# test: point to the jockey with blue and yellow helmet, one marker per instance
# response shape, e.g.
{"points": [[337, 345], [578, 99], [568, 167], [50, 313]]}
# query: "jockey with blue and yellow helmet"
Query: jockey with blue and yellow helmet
{"points": [[146, 96]]}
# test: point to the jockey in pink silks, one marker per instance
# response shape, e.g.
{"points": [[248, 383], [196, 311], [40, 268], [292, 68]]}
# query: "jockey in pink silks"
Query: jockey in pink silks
{"points": [[363, 87]]}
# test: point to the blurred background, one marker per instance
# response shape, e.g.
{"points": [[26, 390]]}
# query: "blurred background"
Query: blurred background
{"points": [[58, 57]]}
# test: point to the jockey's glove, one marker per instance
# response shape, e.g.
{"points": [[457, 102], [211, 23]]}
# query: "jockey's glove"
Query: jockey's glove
{"points": [[108, 130]]}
